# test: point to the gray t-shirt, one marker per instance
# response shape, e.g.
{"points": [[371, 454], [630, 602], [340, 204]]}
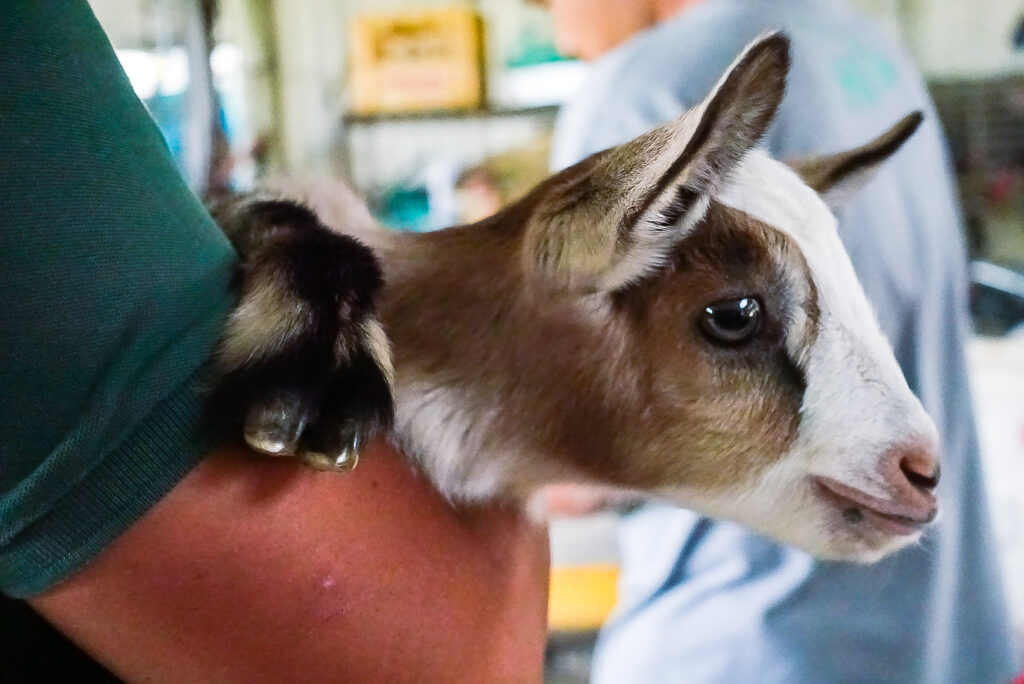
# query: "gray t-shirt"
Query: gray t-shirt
{"points": [[707, 601]]}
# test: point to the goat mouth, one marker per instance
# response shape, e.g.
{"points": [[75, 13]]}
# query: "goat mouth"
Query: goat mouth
{"points": [[858, 508]]}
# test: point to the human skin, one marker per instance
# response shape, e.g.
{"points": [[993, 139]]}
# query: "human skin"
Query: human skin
{"points": [[589, 28], [254, 569]]}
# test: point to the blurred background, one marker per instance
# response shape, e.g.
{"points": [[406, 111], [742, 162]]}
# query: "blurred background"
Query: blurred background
{"points": [[440, 112]]}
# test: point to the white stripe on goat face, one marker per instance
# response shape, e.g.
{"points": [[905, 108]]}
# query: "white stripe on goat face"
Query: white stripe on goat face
{"points": [[857, 406]]}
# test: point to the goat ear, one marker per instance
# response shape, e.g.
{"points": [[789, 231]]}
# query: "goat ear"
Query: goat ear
{"points": [[837, 177], [617, 215]]}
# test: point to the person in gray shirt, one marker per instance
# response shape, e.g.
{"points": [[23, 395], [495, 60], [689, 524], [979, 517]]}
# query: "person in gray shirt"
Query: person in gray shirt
{"points": [[706, 601]]}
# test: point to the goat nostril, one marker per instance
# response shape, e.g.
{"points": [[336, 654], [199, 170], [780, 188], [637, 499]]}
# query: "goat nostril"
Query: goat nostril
{"points": [[913, 470], [853, 515]]}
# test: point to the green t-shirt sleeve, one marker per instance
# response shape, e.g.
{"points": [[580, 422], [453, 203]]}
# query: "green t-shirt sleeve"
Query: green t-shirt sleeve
{"points": [[114, 283]]}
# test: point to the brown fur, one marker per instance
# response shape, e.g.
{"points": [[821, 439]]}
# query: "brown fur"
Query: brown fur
{"points": [[846, 171], [486, 334], [594, 332]]}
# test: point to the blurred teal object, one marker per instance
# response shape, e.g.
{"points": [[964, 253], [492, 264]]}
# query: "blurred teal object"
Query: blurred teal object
{"points": [[404, 208], [865, 77], [535, 43]]}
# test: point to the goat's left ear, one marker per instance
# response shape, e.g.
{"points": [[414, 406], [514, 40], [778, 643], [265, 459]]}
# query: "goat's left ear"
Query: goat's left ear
{"points": [[837, 177], [617, 215]]}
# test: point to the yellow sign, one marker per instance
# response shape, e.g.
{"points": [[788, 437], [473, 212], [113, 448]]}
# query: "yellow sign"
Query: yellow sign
{"points": [[417, 61]]}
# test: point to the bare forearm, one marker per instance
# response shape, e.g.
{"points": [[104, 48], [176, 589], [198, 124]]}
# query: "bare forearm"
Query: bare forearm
{"points": [[255, 570]]}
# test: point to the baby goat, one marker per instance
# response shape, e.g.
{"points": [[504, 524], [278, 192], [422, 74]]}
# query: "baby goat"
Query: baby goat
{"points": [[675, 317]]}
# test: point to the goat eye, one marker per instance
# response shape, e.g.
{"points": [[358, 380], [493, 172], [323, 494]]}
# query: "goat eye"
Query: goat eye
{"points": [[731, 321]]}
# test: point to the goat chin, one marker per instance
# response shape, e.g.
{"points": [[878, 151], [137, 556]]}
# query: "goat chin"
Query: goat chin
{"points": [[802, 520]]}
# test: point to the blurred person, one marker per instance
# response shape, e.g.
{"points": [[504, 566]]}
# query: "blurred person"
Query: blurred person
{"points": [[706, 601], [477, 195], [153, 541]]}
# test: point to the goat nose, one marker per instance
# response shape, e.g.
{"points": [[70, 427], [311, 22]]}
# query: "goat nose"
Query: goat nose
{"points": [[919, 465]]}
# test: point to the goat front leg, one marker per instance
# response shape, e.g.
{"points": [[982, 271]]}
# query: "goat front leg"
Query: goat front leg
{"points": [[304, 363]]}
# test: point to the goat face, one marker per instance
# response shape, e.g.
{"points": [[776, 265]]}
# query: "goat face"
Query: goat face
{"points": [[761, 388]]}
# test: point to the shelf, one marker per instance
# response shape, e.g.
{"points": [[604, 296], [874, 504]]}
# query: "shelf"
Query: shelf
{"points": [[439, 115]]}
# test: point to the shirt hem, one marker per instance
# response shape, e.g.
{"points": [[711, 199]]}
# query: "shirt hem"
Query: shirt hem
{"points": [[114, 495]]}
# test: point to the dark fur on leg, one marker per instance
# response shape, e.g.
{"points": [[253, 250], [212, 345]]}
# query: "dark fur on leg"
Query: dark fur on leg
{"points": [[303, 363]]}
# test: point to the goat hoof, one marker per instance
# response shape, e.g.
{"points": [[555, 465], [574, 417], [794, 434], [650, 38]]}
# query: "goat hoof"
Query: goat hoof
{"points": [[303, 356], [341, 453], [274, 427], [341, 462]]}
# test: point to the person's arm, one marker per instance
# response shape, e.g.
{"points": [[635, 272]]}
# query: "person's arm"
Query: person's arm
{"points": [[259, 570]]}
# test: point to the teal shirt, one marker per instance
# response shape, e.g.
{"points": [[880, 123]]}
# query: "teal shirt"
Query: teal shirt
{"points": [[703, 601], [114, 283]]}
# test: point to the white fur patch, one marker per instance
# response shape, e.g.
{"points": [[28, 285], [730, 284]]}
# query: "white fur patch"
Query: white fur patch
{"points": [[453, 440], [857, 406], [379, 346], [443, 433], [266, 320]]}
